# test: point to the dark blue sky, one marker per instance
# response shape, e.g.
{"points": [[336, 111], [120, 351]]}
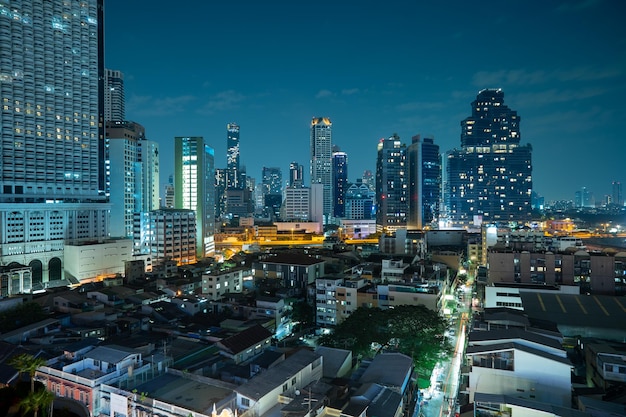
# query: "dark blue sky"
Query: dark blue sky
{"points": [[375, 68]]}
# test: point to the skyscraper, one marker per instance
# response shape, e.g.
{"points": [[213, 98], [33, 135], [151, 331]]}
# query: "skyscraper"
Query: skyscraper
{"points": [[321, 152], [424, 182], [114, 99], [194, 187], [233, 179], [616, 195], [490, 177], [391, 190], [295, 175], [340, 182], [272, 183], [52, 137]]}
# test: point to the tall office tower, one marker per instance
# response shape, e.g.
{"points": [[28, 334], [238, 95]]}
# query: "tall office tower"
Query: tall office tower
{"points": [[424, 182], [272, 182], [616, 196], [296, 178], [584, 198], [368, 179], [391, 185], [194, 173], [233, 175], [51, 132], [490, 178], [340, 182], [321, 169], [220, 192], [114, 100], [296, 207]]}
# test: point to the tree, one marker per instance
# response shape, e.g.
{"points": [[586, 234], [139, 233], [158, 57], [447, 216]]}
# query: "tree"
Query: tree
{"points": [[29, 364], [302, 313], [414, 331], [35, 401]]}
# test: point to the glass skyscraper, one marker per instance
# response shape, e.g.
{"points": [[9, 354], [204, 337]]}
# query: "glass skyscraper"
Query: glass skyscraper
{"points": [[391, 189], [490, 177], [340, 182], [194, 189], [52, 177], [424, 182], [321, 153]]}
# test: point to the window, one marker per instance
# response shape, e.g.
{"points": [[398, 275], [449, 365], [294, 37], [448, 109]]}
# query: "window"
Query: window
{"points": [[245, 402], [293, 381]]}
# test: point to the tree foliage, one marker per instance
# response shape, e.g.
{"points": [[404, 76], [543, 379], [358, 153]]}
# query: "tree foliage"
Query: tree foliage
{"points": [[36, 401], [22, 315], [414, 331]]}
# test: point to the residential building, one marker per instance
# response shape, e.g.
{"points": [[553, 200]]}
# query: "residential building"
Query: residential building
{"points": [[114, 98], [52, 173], [340, 182], [262, 392], [391, 185], [195, 187], [424, 183], [489, 179], [321, 153], [519, 363], [166, 235], [287, 270], [326, 300], [82, 379], [245, 344], [217, 283], [296, 206]]}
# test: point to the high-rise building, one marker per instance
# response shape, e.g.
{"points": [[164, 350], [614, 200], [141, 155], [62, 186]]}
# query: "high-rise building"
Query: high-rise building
{"points": [[490, 178], [272, 183], [52, 178], [321, 152], [424, 182], [148, 157], [233, 175], [169, 193], [114, 99], [391, 185], [194, 187], [616, 196], [360, 202], [296, 178], [340, 182]]}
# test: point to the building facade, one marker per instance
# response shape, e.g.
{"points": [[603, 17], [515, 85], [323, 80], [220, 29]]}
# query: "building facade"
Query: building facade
{"points": [[233, 174], [391, 184], [195, 187], [321, 153], [490, 177], [52, 133], [114, 98], [340, 183], [166, 234], [424, 182]]}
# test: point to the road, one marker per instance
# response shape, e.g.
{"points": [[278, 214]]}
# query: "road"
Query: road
{"points": [[439, 399]]}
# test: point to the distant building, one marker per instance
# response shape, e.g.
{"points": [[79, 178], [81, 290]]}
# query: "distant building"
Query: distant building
{"points": [[114, 98], [194, 187], [296, 178], [360, 202], [321, 153], [167, 234], [272, 183], [340, 182], [424, 183], [616, 196], [233, 174], [490, 178], [391, 184]]}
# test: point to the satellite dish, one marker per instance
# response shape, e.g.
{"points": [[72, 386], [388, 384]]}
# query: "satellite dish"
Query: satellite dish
{"points": [[297, 392]]}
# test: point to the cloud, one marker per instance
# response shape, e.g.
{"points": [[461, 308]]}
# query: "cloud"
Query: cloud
{"points": [[324, 94], [157, 106], [350, 91], [552, 96], [224, 100]]}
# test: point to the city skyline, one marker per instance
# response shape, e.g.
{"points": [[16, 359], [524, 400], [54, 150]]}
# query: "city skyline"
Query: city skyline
{"points": [[374, 71]]}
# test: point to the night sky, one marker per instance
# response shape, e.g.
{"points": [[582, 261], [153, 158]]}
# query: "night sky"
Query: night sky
{"points": [[375, 68]]}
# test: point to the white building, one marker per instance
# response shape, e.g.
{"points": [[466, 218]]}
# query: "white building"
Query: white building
{"points": [[52, 132], [519, 363], [216, 284], [262, 392], [91, 260], [166, 234], [326, 300], [296, 204]]}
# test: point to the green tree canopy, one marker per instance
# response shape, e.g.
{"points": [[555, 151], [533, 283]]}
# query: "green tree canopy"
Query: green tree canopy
{"points": [[414, 331]]}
